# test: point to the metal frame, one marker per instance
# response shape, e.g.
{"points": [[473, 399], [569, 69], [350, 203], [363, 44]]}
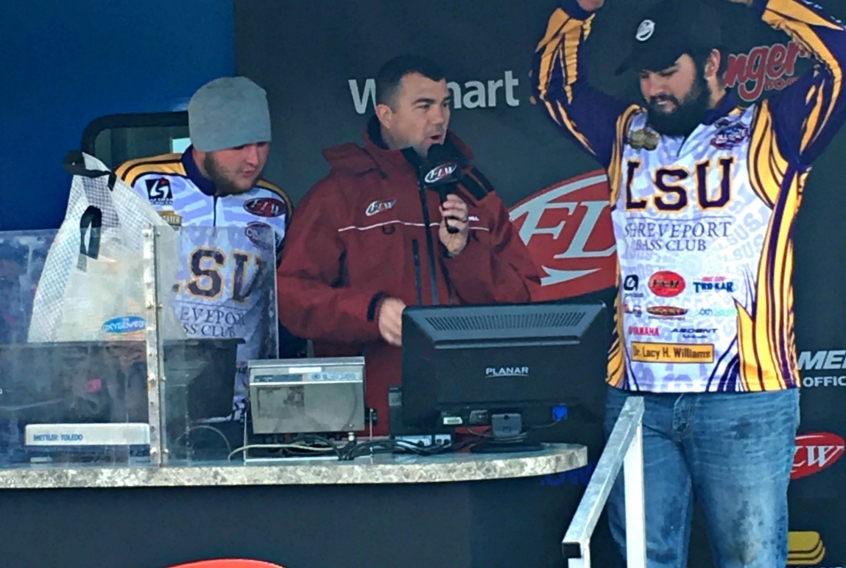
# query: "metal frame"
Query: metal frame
{"points": [[623, 449], [153, 339]]}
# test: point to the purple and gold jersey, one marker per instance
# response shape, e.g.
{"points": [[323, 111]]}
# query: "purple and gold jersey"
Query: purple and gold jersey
{"points": [[229, 244], [704, 223]]}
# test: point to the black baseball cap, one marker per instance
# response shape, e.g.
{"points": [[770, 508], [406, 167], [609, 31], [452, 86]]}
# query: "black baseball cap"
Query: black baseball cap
{"points": [[670, 29]]}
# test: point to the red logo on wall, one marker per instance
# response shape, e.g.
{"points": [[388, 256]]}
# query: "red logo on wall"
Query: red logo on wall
{"points": [[763, 68], [666, 284], [815, 452], [567, 228]]}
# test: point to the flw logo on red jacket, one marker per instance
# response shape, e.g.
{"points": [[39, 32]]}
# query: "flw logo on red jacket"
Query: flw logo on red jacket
{"points": [[815, 452], [567, 228], [379, 207]]}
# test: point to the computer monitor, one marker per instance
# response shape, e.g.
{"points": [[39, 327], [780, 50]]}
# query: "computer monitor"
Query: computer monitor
{"points": [[498, 364]]}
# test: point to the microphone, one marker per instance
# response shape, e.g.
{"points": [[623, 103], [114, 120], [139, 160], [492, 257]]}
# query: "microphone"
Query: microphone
{"points": [[441, 172]]}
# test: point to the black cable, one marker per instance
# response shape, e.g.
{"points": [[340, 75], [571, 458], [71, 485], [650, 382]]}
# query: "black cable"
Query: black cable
{"points": [[394, 446], [312, 438]]}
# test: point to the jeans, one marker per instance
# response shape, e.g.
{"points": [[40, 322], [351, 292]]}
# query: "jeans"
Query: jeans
{"points": [[733, 453]]}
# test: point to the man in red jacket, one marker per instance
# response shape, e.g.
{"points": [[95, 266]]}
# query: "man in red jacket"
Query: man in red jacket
{"points": [[367, 241]]}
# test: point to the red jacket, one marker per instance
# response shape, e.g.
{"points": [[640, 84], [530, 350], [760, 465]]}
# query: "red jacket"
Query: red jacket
{"points": [[359, 235]]}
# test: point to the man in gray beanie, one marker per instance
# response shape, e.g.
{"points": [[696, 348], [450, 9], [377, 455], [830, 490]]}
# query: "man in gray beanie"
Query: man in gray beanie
{"points": [[217, 179], [229, 123], [216, 183]]}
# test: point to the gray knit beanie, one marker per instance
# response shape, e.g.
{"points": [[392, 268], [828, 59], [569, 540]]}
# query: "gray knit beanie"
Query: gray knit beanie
{"points": [[227, 113]]}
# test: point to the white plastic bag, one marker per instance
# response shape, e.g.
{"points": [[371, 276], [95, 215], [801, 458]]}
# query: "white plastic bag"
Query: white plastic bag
{"points": [[92, 286]]}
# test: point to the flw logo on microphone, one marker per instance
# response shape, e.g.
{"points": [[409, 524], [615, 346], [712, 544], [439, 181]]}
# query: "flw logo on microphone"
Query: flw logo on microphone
{"points": [[440, 173], [567, 229]]}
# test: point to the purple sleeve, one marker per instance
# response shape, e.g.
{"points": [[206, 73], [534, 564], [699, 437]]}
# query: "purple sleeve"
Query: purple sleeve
{"points": [[808, 113], [593, 119]]}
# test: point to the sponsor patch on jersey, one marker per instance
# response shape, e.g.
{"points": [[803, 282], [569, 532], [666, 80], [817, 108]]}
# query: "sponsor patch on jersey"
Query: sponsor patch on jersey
{"points": [[730, 136], [643, 139], [632, 309], [666, 284], [266, 207], [170, 217], [718, 312], [631, 287], [694, 332], [713, 283], [159, 192], [631, 283], [643, 330], [643, 352], [379, 207], [666, 311], [260, 234]]}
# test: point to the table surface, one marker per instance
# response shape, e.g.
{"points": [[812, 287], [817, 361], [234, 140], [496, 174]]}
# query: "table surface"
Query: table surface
{"points": [[368, 470]]}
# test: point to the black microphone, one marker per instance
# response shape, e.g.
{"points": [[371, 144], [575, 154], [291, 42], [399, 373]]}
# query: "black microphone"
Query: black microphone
{"points": [[441, 172]]}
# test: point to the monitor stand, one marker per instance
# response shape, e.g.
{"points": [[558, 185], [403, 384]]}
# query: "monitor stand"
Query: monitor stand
{"points": [[508, 437]]}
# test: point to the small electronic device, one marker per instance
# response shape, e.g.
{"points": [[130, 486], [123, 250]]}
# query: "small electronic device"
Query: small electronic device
{"points": [[307, 396]]}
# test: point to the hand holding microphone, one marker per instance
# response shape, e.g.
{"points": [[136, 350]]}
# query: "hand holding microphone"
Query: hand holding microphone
{"points": [[442, 172]]}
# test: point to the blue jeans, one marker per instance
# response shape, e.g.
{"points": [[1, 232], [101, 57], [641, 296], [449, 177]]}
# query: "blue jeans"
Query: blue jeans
{"points": [[733, 453]]}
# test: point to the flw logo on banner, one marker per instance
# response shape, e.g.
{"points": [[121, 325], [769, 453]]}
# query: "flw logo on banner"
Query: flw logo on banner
{"points": [[567, 228], [815, 452]]}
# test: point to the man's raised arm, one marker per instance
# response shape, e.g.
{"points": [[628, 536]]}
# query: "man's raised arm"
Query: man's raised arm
{"points": [[595, 120], [808, 113]]}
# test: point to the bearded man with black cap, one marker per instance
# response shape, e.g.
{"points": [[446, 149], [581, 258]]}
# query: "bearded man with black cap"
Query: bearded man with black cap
{"points": [[217, 182], [708, 192]]}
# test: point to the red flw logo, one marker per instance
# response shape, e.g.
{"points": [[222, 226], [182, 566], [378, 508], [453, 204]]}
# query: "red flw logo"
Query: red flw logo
{"points": [[815, 452], [567, 228]]}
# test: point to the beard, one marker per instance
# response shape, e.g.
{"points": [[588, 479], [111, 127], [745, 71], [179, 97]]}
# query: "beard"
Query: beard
{"points": [[224, 184], [688, 114]]}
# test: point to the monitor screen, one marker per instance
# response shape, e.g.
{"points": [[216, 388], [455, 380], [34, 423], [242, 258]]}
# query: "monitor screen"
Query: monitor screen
{"points": [[462, 365]]}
